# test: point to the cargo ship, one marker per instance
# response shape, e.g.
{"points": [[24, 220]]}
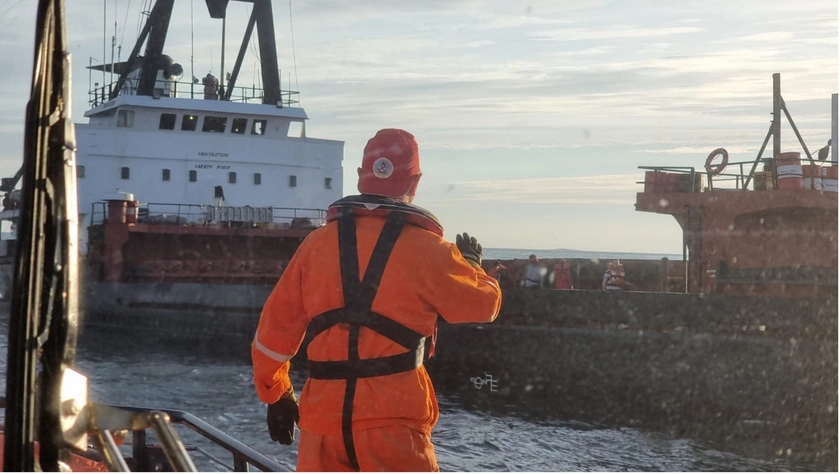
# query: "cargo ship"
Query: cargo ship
{"points": [[736, 345], [192, 197]]}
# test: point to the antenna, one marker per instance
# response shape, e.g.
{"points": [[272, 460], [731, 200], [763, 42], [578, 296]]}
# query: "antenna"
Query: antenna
{"points": [[294, 56], [192, 51], [104, 36], [113, 41], [222, 80]]}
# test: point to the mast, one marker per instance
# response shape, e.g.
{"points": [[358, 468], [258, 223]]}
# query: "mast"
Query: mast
{"points": [[159, 20], [777, 115], [264, 17], [834, 137]]}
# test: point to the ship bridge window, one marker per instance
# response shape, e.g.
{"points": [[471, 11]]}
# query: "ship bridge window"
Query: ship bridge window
{"points": [[328, 183], [258, 127], [292, 181], [257, 178], [214, 124], [125, 118], [239, 125], [189, 123], [125, 173], [295, 129], [164, 175], [232, 177], [80, 171], [193, 176], [167, 121]]}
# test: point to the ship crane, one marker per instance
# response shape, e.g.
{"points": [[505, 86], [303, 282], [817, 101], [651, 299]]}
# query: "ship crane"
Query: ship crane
{"points": [[142, 74]]}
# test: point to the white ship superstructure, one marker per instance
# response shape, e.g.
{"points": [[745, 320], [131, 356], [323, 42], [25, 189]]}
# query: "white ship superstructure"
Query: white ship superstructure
{"points": [[210, 158], [199, 147], [193, 151]]}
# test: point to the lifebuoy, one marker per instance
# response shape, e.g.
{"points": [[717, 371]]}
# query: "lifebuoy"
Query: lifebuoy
{"points": [[717, 169]]}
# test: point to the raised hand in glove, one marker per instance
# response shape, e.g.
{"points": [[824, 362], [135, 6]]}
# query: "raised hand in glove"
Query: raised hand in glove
{"points": [[470, 248], [281, 418]]}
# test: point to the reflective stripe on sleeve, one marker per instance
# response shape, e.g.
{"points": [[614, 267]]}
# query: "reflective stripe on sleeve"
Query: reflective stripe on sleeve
{"points": [[268, 352]]}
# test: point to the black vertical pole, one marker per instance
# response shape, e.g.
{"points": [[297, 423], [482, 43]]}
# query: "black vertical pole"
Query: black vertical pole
{"points": [[268, 52], [43, 316], [777, 115], [27, 300]]}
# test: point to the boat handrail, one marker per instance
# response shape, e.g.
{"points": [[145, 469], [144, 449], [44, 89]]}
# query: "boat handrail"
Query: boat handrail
{"points": [[203, 214], [102, 94], [243, 455]]}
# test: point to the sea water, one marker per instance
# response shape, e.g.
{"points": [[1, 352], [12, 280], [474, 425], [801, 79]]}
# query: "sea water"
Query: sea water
{"points": [[219, 389], [509, 254]]}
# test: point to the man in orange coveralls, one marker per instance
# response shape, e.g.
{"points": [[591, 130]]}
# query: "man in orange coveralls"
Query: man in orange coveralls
{"points": [[368, 288]]}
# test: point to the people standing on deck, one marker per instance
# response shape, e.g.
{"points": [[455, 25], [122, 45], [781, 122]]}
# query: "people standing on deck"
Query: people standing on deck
{"points": [[498, 271], [211, 87], [562, 275], [614, 278], [367, 289], [534, 274]]}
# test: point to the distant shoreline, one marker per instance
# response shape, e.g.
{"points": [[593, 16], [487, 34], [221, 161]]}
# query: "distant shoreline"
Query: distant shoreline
{"points": [[508, 254]]}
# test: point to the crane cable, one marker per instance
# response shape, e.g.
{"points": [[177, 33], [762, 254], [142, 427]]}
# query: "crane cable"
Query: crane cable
{"points": [[294, 56]]}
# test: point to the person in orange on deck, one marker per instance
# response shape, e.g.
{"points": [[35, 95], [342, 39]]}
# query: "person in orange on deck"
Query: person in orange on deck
{"points": [[562, 275], [368, 288]]}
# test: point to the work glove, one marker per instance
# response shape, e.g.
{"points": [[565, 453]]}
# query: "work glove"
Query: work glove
{"points": [[281, 418], [470, 248]]}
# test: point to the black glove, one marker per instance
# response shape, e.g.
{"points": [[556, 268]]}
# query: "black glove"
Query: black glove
{"points": [[469, 247], [281, 418]]}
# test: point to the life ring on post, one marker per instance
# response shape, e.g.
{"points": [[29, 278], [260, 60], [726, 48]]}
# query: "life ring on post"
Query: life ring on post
{"points": [[717, 169]]}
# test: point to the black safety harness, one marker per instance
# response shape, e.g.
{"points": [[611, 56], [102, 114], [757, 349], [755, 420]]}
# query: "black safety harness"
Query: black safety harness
{"points": [[358, 312]]}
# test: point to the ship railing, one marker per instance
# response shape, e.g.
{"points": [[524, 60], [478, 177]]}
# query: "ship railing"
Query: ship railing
{"points": [[735, 176], [102, 94], [203, 215]]}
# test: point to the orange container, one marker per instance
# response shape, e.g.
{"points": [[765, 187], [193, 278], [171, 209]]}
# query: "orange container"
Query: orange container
{"points": [[812, 177], [131, 211], [116, 211], [659, 182], [829, 179], [789, 170]]}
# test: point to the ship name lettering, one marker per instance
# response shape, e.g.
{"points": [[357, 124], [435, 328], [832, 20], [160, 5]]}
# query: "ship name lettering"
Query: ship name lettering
{"points": [[213, 154]]}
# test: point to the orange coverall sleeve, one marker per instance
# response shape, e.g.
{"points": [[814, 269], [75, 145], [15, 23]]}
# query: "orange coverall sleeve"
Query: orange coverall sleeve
{"points": [[279, 335], [463, 293]]}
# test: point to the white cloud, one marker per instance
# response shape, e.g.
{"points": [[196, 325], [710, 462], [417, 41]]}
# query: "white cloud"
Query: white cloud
{"points": [[769, 36], [595, 189], [613, 32]]}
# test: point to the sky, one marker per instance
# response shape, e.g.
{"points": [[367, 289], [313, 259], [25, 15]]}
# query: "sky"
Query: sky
{"points": [[532, 117]]}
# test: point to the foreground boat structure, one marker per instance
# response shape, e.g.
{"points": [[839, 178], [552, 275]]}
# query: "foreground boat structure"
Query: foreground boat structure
{"points": [[52, 432]]}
